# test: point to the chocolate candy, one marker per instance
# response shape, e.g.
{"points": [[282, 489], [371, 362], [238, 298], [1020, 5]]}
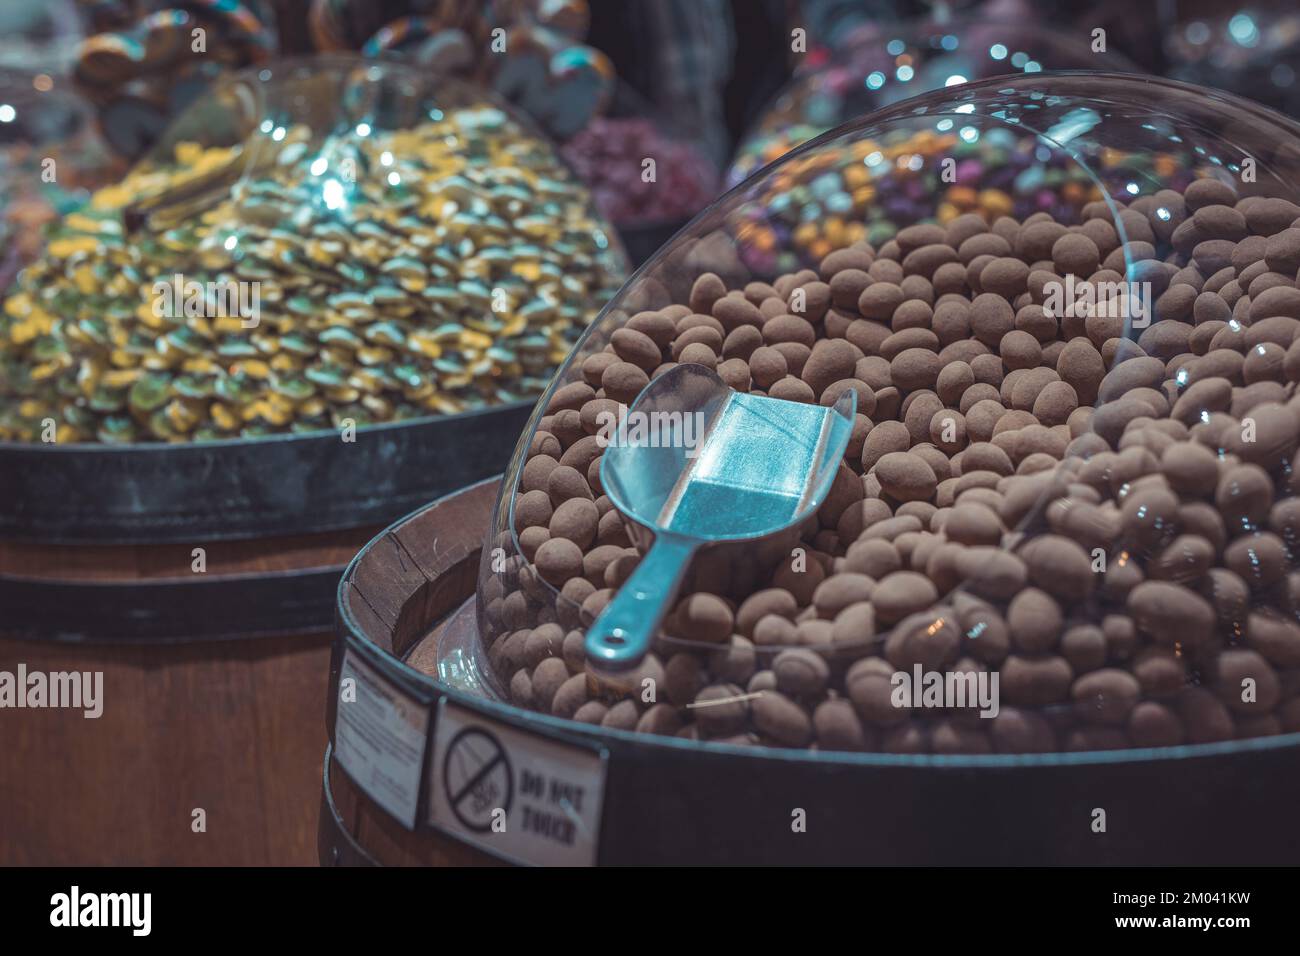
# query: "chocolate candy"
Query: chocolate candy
{"points": [[1102, 517]]}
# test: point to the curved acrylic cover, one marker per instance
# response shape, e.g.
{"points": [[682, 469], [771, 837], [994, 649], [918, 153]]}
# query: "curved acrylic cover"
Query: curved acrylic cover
{"points": [[1106, 148], [880, 64], [51, 155]]}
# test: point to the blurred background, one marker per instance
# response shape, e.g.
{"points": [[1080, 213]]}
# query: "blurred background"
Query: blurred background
{"points": [[719, 86]]}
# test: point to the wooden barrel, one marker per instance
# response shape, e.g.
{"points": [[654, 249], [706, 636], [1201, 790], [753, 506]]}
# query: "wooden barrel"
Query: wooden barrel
{"points": [[230, 728], [201, 581], [656, 800], [354, 829]]}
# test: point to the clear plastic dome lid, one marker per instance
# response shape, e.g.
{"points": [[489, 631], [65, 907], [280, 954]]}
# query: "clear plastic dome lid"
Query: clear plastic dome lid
{"points": [[50, 156], [1065, 519], [312, 243], [877, 66]]}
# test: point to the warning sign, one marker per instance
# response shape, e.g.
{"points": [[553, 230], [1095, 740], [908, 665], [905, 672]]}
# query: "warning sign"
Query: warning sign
{"points": [[379, 737], [478, 778], [515, 793]]}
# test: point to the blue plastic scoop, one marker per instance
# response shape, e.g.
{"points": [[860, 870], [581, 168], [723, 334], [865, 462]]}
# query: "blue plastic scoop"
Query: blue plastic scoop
{"points": [[699, 463]]}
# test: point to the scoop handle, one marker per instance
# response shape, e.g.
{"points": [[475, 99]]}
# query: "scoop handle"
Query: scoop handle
{"points": [[620, 637]]}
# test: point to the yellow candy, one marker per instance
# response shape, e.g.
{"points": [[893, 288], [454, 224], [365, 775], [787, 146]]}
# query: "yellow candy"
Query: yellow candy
{"points": [[46, 370], [113, 197], [856, 175], [88, 373], [312, 407], [120, 377], [253, 368], [146, 314], [180, 416], [20, 333], [342, 394], [425, 346], [187, 153], [227, 325], [279, 409], [67, 246], [835, 231], [475, 340], [529, 271], [199, 365], [864, 194], [963, 197], [223, 417], [83, 278], [442, 403], [18, 306], [995, 202]]}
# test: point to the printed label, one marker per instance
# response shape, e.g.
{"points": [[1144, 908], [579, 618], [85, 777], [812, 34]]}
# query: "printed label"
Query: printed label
{"points": [[379, 738], [514, 793]]}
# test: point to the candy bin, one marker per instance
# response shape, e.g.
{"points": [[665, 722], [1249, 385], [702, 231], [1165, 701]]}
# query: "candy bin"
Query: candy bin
{"points": [[328, 248], [332, 292], [1051, 568]]}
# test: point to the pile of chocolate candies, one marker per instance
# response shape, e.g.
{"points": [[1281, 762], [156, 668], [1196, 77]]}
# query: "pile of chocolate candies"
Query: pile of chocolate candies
{"points": [[1104, 515]]}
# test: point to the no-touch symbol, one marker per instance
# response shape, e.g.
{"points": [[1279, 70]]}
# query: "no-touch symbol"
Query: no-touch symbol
{"points": [[477, 778]]}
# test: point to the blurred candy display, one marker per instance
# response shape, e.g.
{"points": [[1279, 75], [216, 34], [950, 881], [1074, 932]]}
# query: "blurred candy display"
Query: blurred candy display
{"points": [[39, 38], [529, 51], [815, 208], [833, 198], [321, 241], [1248, 50], [882, 64], [611, 156], [50, 156], [144, 61]]}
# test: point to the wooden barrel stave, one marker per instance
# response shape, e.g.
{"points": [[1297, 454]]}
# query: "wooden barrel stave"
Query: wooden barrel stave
{"points": [[1028, 807], [229, 727], [214, 681]]}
